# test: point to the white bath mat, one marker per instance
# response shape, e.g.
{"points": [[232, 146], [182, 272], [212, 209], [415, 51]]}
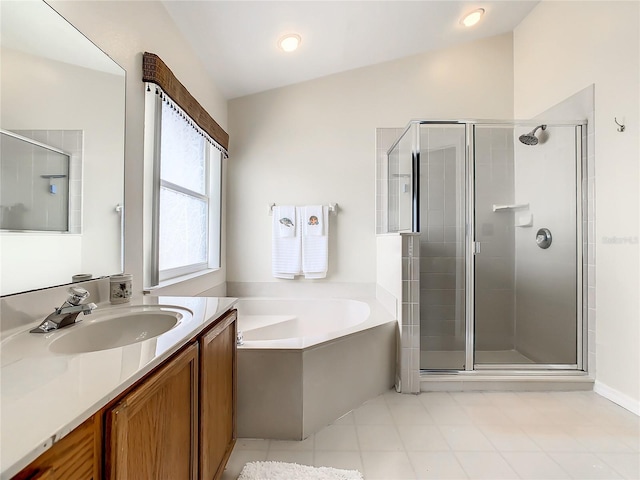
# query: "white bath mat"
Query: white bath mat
{"points": [[293, 471]]}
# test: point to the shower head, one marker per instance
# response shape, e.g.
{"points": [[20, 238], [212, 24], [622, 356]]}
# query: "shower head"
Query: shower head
{"points": [[530, 138]]}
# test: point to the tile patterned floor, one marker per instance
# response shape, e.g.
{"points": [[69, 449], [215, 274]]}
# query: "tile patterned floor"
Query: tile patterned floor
{"points": [[469, 435]]}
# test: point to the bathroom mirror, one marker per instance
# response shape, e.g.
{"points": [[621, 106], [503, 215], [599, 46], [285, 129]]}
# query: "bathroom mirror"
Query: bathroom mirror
{"points": [[60, 93]]}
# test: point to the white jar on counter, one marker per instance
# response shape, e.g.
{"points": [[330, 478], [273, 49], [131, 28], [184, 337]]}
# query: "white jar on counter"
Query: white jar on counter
{"points": [[120, 290]]}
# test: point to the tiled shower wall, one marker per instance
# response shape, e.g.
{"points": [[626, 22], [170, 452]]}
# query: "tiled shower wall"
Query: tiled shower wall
{"points": [[589, 237], [410, 315], [581, 105], [400, 286], [545, 176]]}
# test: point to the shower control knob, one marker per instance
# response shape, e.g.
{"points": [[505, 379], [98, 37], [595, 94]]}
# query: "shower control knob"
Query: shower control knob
{"points": [[543, 238]]}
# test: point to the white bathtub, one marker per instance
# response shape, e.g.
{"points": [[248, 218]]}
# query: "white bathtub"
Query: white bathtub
{"points": [[300, 323], [307, 362]]}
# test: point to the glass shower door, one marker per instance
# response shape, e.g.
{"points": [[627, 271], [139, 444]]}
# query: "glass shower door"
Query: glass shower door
{"points": [[442, 205], [400, 194], [526, 249]]}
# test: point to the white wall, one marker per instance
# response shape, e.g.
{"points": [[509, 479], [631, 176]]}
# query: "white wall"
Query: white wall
{"points": [[314, 142], [125, 30], [559, 49]]}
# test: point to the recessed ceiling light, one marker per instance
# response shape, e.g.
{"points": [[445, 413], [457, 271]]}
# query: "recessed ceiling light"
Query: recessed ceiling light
{"points": [[289, 42], [472, 18]]}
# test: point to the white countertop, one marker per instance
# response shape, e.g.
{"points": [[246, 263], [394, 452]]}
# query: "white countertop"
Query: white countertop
{"points": [[45, 395]]}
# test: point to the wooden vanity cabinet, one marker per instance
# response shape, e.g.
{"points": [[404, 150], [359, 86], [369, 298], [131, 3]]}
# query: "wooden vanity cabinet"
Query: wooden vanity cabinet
{"points": [[179, 422], [74, 457], [217, 397], [152, 432]]}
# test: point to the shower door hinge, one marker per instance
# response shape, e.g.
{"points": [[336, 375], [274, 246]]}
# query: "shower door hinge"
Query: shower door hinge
{"points": [[476, 248]]}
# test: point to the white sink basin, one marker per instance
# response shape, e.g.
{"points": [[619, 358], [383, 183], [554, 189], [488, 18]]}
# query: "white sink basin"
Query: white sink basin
{"points": [[115, 330]]}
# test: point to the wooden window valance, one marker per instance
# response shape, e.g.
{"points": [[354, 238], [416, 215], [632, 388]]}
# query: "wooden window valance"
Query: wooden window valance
{"points": [[154, 70]]}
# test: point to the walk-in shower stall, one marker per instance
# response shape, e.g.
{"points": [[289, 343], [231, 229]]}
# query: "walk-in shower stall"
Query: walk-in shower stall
{"points": [[499, 208]]}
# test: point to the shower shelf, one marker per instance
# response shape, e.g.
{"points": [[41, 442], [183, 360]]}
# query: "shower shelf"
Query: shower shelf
{"points": [[525, 221], [501, 208]]}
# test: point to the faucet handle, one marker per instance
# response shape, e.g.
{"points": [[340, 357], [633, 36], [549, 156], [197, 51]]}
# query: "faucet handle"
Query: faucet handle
{"points": [[77, 295], [89, 307]]}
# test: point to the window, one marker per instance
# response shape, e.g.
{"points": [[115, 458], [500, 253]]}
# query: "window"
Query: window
{"points": [[184, 149], [186, 194]]}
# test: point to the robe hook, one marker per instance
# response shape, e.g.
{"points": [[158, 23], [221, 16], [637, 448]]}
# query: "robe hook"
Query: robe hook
{"points": [[621, 127]]}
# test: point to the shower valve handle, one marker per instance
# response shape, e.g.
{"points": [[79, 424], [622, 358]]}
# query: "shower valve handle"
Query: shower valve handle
{"points": [[543, 238]]}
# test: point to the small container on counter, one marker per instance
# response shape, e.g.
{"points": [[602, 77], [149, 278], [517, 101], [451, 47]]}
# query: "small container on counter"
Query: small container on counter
{"points": [[81, 277], [120, 290]]}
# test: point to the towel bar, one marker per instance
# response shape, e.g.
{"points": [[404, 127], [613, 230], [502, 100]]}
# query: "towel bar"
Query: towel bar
{"points": [[517, 206], [333, 208]]}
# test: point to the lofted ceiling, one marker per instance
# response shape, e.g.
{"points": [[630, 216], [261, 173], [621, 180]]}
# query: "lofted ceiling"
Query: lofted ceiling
{"points": [[237, 40]]}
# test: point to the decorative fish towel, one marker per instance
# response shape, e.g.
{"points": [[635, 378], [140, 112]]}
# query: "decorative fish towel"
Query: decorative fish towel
{"points": [[286, 218], [286, 250], [313, 220], [315, 248]]}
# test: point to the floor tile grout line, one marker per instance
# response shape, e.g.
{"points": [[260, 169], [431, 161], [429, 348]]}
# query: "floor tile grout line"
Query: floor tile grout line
{"points": [[622, 474], [501, 453], [355, 428], [406, 453]]}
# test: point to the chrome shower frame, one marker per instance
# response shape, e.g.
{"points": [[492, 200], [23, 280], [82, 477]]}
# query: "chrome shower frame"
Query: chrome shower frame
{"points": [[580, 368]]}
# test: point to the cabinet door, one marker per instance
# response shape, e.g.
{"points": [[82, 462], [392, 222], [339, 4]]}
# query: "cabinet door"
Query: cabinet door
{"points": [[152, 432], [217, 397], [71, 458]]}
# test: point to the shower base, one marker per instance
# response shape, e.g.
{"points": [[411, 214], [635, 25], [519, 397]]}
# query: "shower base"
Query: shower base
{"points": [[482, 381], [494, 379], [455, 359]]}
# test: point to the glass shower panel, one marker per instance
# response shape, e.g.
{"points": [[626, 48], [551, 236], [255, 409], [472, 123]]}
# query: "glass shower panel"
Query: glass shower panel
{"points": [[34, 186], [400, 186], [442, 246], [525, 261]]}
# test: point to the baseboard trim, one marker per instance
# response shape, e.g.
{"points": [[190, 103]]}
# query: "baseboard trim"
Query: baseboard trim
{"points": [[625, 401]]}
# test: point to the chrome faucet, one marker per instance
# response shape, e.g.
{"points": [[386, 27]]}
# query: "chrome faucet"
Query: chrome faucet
{"points": [[67, 313]]}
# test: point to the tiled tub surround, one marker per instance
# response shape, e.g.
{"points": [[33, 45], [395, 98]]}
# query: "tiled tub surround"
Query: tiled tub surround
{"points": [[45, 395], [307, 362]]}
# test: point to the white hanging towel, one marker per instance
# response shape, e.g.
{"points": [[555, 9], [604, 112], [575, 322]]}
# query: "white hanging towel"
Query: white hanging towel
{"points": [[286, 244], [315, 241]]}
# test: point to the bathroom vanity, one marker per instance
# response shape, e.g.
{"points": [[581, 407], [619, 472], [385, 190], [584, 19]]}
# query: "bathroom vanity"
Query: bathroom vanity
{"points": [[128, 393], [163, 407]]}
